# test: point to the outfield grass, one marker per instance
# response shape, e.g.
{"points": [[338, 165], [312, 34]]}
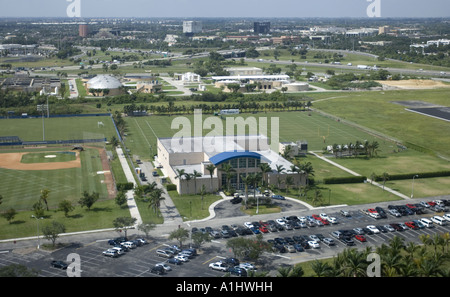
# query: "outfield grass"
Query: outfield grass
{"points": [[67, 128], [191, 207]]}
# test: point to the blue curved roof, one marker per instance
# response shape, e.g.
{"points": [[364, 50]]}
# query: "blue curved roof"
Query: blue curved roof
{"points": [[226, 156]]}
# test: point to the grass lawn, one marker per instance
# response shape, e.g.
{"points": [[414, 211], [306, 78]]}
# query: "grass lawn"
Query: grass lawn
{"points": [[100, 216], [58, 128], [426, 187], [375, 110], [191, 206]]}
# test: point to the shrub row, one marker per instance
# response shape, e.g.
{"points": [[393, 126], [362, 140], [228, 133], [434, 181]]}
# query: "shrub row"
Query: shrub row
{"points": [[411, 175], [171, 187], [124, 186], [344, 180]]}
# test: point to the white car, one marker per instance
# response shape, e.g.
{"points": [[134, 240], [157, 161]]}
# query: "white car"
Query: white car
{"points": [[218, 266], [373, 229], [424, 204], [302, 219], [165, 266], [332, 220], [248, 225], [323, 216], [446, 216], [247, 266], [182, 258], [427, 223], [281, 222], [313, 244], [439, 220], [389, 228]]}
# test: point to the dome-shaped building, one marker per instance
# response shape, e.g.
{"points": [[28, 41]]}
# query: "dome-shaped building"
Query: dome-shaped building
{"points": [[103, 85]]}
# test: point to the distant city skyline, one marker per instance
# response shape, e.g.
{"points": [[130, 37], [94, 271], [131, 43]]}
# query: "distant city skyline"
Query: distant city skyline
{"points": [[229, 8]]}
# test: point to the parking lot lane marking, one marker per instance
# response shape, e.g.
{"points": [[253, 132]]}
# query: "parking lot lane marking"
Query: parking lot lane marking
{"points": [[207, 261]]}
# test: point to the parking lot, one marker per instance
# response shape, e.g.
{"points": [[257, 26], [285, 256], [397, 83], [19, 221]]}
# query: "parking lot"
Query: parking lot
{"points": [[138, 262]]}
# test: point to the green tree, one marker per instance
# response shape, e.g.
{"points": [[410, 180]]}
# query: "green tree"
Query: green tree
{"points": [[180, 234], [53, 230], [121, 198], [10, 214], [87, 200], [123, 224], [66, 206], [44, 197]]}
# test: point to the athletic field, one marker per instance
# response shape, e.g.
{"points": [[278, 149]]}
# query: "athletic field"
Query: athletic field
{"points": [[319, 131], [25, 171]]}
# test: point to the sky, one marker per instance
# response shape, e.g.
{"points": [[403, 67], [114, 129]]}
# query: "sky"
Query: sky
{"points": [[225, 8]]}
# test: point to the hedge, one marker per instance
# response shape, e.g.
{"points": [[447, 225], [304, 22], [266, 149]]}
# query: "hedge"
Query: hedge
{"points": [[171, 187], [344, 180], [411, 175], [124, 186]]}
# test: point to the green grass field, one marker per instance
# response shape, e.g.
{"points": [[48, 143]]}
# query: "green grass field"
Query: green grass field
{"points": [[48, 157], [318, 130], [67, 128], [21, 188]]}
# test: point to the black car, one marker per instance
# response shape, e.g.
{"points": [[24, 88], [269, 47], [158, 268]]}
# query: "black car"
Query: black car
{"points": [[381, 212], [237, 271], [174, 261], [59, 264], [347, 241], [157, 270], [231, 261], [236, 200]]}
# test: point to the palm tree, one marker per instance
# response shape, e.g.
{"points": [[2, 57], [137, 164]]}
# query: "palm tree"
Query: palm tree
{"points": [[265, 169], [211, 167], [317, 196], [279, 170], [202, 193], [44, 196], [155, 200], [308, 170], [194, 175], [320, 268], [180, 174], [229, 171], [385, 177], [247, 180]]}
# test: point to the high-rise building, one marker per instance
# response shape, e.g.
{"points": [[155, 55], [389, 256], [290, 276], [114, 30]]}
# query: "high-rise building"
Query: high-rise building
{"points": [[83, 30], [192, 27], [261, 27]]}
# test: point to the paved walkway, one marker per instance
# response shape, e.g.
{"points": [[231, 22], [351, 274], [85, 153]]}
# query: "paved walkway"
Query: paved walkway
{"points": [[134, 211], [357, 174]]}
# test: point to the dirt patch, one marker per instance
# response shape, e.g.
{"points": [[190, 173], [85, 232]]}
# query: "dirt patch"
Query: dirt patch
{"points": [[414, 84], [109, 180], [12, 161]]}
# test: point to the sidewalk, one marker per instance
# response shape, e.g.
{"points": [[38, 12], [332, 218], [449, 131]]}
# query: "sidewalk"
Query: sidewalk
{"points": [[134, 211]]}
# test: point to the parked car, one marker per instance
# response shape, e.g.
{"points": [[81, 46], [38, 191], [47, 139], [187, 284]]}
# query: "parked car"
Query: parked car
{"points": [[345, 213], [328, 241], [446, 216], [164, 253], [411, 225], [373, 228], [157, 270], [426, 222], [111, 253], [290, 248], [389, 228], [347, 240], [313, 244], [182, 258], [164, 266], [278, 197], [439, 220], [59, 264], [218, 266], [174, 261], [361, 238], [396, 227], [237, 271]]}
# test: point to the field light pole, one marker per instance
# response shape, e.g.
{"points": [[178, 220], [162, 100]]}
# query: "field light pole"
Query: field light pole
{"points": [[39, 241], [42, 108], [412, 186]]}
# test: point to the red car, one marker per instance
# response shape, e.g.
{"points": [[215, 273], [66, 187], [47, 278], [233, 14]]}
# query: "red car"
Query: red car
{"points": [[361, 238], [263, 229], [316, 217], [325, 222], [412, 225], [372, 210], [431, 203]]}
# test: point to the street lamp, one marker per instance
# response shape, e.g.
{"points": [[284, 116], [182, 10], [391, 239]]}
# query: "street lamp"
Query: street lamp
{"points": [[412, 186], [39, 241]]}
